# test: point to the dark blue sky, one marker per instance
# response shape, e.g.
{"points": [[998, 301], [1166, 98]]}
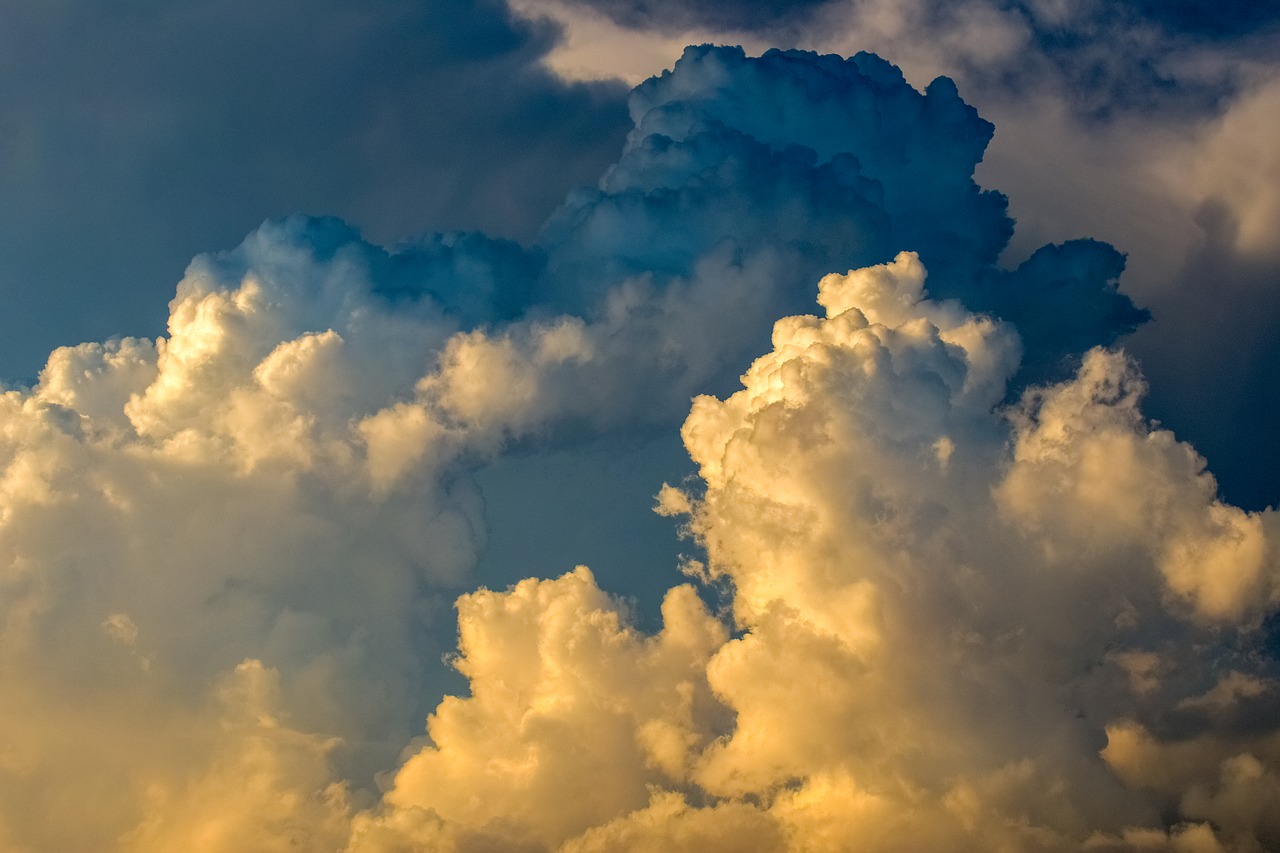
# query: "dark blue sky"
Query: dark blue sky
{"points": [[138, 134]]}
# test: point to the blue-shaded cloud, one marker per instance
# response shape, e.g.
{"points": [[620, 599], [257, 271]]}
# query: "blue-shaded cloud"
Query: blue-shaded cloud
{"points": [[744, 181], [833, 163]]}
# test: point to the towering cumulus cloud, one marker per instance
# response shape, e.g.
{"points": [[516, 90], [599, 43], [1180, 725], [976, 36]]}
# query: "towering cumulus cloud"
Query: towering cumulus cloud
{"points": [[958, 628], [972, 599]]}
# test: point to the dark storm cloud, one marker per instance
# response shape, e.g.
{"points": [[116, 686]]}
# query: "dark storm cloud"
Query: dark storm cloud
{"points": [[136, 134]]}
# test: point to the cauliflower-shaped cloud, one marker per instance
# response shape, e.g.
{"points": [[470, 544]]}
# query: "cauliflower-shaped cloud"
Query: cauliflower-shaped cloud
{"points": [[226, 555], [956, 625]]}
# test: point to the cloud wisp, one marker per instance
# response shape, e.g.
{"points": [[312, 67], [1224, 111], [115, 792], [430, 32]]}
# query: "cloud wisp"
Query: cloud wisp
{"points": [[972, 598]]}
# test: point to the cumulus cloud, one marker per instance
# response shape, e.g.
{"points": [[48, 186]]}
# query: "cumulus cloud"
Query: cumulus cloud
{"points": [[572, 716], [972, 596], [955, 625], [171, 509]]}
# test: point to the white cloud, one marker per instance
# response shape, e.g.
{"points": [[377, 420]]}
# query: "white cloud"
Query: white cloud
{"points": [[171, 509], [573, 716]]}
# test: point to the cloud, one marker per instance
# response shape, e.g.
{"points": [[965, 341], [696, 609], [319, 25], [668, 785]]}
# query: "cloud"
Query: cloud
{"points": [[599, 715], [171, 509], [950, 624], [1110, 114], [267, 787], [1221, 300], [834, 175], [1106, 59], [1203, 19], [955, 557]]}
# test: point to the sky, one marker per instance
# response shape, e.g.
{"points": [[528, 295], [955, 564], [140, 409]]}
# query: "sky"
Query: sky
{"points": [[576, 425]]}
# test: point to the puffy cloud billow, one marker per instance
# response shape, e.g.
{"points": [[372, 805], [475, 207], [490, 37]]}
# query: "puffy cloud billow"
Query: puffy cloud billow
{"points": [[969, 598], [957, 626]]}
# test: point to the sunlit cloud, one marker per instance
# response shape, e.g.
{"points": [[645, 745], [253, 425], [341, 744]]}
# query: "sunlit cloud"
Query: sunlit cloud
{"points": [[947, 586]]}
